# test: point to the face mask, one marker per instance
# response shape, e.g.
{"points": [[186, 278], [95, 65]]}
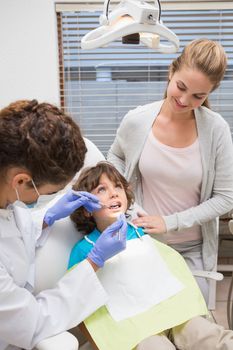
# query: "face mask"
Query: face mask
{"points": [[45, 198], [42, 200], [31, 205]]}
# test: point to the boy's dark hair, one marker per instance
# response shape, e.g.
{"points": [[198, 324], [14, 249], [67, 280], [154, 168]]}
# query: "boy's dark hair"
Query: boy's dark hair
{"points": [[88, 181], [42, 139]]}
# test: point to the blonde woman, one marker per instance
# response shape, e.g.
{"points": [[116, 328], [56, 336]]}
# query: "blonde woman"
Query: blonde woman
{"points": [[178, 154]]}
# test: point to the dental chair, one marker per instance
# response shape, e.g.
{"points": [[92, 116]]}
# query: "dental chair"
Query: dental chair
{"points": [[230, 224], [226, 252], [61, 244], [230, 292], [61, 239]]}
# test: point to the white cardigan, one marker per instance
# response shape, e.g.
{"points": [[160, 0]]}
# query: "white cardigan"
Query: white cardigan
{"points": [[217, 165]]}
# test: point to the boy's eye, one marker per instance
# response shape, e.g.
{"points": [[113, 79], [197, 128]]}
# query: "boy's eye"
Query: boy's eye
{"points": [[101, 189], [118, 185]]}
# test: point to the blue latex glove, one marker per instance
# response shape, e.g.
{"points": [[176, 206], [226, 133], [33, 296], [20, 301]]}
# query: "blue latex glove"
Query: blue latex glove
{"points": [[111, 241], [68, 203]]}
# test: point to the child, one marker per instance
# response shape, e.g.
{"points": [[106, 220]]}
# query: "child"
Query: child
{"points": [[132, 313]]}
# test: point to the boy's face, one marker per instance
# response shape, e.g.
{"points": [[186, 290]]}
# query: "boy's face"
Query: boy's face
{"points": [[113, 196]]}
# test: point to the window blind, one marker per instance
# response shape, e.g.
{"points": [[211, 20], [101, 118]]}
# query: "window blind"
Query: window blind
{"points": [[98, 87]]}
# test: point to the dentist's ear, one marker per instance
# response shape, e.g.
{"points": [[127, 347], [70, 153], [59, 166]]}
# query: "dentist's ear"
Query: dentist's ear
{"points": [[20, 179]]}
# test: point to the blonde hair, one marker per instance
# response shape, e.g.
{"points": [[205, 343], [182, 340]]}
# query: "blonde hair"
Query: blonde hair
{"points": [[205, 55]]}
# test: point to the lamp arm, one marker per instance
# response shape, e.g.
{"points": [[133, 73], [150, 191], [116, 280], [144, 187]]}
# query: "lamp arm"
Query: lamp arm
{"points": [[159, 6], [105, 11]]}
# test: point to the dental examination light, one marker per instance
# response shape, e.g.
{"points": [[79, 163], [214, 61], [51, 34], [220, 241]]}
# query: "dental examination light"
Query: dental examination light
{"points": [[134, 21]]}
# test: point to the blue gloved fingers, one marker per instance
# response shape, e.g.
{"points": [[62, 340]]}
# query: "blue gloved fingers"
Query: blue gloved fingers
{"points": [[114, 228], [68, 203], [87, 195], [123, 229], [109, 243], [122, 233], [119, 226], [89, 205], [88, 200], [72, 195]]}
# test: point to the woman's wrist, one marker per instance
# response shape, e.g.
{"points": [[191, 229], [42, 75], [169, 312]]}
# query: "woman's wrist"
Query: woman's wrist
{"points": [[171, 222]]}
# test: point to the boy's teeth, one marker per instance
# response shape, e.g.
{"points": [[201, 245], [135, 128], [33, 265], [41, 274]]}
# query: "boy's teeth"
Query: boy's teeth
{"points": [[114, 206]]}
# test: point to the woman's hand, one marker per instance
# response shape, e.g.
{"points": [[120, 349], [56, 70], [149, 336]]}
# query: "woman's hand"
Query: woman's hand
{"points": [[151, 224]]}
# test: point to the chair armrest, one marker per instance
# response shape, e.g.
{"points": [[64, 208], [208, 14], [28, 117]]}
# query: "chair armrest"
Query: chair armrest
{"points": [[230, 225], [217, 276], [62, 341]]}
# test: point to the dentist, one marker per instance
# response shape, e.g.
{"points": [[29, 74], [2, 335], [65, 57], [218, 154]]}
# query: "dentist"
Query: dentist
{"points": [[41, 149]]}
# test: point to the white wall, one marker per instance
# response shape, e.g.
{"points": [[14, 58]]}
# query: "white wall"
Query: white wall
{"points": [[28, 51]]}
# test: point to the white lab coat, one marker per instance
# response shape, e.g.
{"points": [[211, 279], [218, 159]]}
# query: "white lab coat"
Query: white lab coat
{"points": [[26, 319]]}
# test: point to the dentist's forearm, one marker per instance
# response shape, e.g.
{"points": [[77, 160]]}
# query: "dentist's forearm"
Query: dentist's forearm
{"points": [[95, 267]]}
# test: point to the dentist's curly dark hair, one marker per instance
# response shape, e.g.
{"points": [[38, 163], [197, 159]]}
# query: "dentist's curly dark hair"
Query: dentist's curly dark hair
{"points": [[42, 139], [88, 180]]}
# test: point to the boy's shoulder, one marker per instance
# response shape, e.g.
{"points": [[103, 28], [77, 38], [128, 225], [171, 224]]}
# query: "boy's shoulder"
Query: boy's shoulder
{"points": [[88, 240], [131, 232], [81, 249]]}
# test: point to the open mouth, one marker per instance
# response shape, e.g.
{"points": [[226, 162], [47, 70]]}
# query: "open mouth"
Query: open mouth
{"points": [[115, 205]]}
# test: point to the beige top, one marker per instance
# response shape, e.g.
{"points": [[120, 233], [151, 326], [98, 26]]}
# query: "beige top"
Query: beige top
{"points": [[217, 166], [171, 183]]}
